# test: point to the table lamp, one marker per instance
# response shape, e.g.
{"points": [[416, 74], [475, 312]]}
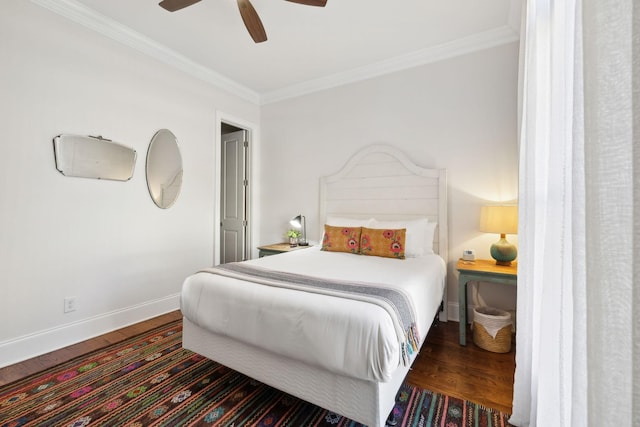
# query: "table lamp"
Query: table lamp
{"points": [[300, 222], [501, 220]]}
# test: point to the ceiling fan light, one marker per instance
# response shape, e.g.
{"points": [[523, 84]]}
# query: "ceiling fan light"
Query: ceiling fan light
{"points": [[249, 15]]}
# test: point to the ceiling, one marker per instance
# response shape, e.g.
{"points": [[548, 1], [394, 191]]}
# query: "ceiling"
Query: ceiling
{"points": [[308, 48]]}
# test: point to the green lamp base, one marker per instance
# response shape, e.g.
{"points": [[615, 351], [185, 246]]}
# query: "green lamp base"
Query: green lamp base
{"points": [[503, 252]]}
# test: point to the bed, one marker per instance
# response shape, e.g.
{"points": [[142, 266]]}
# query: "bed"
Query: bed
{"points": [[341, 354]]}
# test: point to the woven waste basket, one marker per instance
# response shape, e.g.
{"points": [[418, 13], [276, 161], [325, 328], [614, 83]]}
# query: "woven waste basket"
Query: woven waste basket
{"points": [[492, 329]]}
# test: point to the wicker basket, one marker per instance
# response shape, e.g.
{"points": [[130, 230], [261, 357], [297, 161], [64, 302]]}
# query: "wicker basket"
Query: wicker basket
{"points": [[490, 319]]}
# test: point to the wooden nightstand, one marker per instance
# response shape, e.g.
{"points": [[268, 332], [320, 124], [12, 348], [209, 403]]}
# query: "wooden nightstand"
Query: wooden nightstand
{"points": [[277, 248], [480, 270]]}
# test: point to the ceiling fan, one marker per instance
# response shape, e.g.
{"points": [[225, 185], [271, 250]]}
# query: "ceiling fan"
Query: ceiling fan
{"points": [[248, 13]]}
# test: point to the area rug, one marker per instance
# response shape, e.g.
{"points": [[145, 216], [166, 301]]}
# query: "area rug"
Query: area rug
{"points": [[150, 380]]}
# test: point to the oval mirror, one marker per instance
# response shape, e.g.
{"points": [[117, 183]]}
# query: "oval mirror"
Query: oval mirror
{"points": [[164, 169]]}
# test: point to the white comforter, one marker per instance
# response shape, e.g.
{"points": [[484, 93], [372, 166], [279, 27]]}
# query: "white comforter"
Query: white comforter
{"points": [[348, 337]]}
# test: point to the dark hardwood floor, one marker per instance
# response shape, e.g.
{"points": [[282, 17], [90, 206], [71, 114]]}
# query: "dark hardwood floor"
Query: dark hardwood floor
{"points": [[466, 372], [442, 366]]}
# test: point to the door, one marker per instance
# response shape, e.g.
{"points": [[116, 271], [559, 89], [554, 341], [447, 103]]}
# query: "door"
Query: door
{"points": [[233, 203]]}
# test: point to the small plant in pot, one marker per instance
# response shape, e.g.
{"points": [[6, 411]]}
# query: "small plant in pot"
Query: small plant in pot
{"points": [[293, 237]]}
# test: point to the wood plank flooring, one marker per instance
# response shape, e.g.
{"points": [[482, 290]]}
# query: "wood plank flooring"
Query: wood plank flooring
{"points": [[466, 372], [442, 366]]}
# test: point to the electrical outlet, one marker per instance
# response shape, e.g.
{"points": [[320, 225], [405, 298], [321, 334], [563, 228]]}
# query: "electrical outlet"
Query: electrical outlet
{"points": [[69, 304]]}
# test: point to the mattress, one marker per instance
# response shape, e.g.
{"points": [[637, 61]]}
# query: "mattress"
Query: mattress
{"points": [[344, 336]]}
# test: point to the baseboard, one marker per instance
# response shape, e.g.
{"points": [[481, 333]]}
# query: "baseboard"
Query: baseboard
{"points": [[36, 344], [454, 312]]}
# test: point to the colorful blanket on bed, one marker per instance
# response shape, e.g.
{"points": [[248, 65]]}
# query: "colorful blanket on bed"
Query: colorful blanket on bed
{"points": [[394, 301]]}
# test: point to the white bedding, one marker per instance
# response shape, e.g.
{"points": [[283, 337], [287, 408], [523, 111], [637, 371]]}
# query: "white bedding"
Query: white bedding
{"points": [[344, 336]]}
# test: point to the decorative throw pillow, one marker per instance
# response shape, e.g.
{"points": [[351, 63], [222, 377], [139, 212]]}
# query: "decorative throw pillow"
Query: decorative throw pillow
{"points": [[341, 239], [419, 234], [388, 243]]}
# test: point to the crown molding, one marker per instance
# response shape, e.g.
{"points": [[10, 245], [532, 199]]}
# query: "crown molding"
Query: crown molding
{"points": [[485, 40], [89, 18], [108, 27]]}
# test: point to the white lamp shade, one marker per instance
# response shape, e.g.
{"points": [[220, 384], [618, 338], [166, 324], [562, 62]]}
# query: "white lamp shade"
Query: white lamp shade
{"points": [[499, 219]]}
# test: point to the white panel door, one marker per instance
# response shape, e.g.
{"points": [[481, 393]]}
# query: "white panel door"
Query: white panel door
{"points": [[233, 222]]}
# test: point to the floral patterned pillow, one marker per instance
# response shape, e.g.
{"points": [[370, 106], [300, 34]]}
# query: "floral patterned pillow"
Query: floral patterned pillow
{"points": [[341, 239], [388, 243]]}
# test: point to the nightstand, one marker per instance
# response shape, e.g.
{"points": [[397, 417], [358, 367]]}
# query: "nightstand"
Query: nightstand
{"points": [[278, 248], [480, 270]]}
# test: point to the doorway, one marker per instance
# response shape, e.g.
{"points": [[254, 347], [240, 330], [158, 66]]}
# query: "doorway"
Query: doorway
{"points": [[234, 193]]}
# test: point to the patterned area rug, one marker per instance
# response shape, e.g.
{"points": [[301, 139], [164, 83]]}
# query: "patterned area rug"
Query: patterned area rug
{"points": [[150, 380]]}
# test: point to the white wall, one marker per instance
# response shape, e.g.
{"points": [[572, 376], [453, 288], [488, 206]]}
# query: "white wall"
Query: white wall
{"points": [[124, 259], [103, 242], [458, 114]]}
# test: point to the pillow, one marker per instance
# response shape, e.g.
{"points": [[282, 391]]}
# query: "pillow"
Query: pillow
{"points": [[341, 239], [348, 222], [419, 234], [383, 242]]}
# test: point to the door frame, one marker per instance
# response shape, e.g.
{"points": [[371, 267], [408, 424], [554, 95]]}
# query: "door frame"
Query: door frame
{"points": [[252, 171]]}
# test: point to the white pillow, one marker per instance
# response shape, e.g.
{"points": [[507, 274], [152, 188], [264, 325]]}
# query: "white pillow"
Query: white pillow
{"points": [[419, 234], [337, 221]]}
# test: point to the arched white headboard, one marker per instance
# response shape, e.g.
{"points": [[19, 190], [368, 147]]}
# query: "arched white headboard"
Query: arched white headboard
{"points": [[382, 182]]}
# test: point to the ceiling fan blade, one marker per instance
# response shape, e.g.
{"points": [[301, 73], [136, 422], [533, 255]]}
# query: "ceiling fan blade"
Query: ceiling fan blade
{"points": [[173, 5], [320, 3], [252, 21]]}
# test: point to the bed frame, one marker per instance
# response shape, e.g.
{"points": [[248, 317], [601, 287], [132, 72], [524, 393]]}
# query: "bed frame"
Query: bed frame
{"points": [[379, 182]]}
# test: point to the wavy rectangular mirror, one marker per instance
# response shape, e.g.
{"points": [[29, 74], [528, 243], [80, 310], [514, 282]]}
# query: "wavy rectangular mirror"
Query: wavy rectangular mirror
{"points": [[93, 157]]}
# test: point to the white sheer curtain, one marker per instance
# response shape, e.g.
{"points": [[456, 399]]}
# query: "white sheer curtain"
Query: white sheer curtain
{"points": [[578, 341]]}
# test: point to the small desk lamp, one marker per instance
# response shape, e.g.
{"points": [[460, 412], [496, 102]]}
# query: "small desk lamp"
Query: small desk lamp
{"points": [[300, 222], [501, 220]]}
